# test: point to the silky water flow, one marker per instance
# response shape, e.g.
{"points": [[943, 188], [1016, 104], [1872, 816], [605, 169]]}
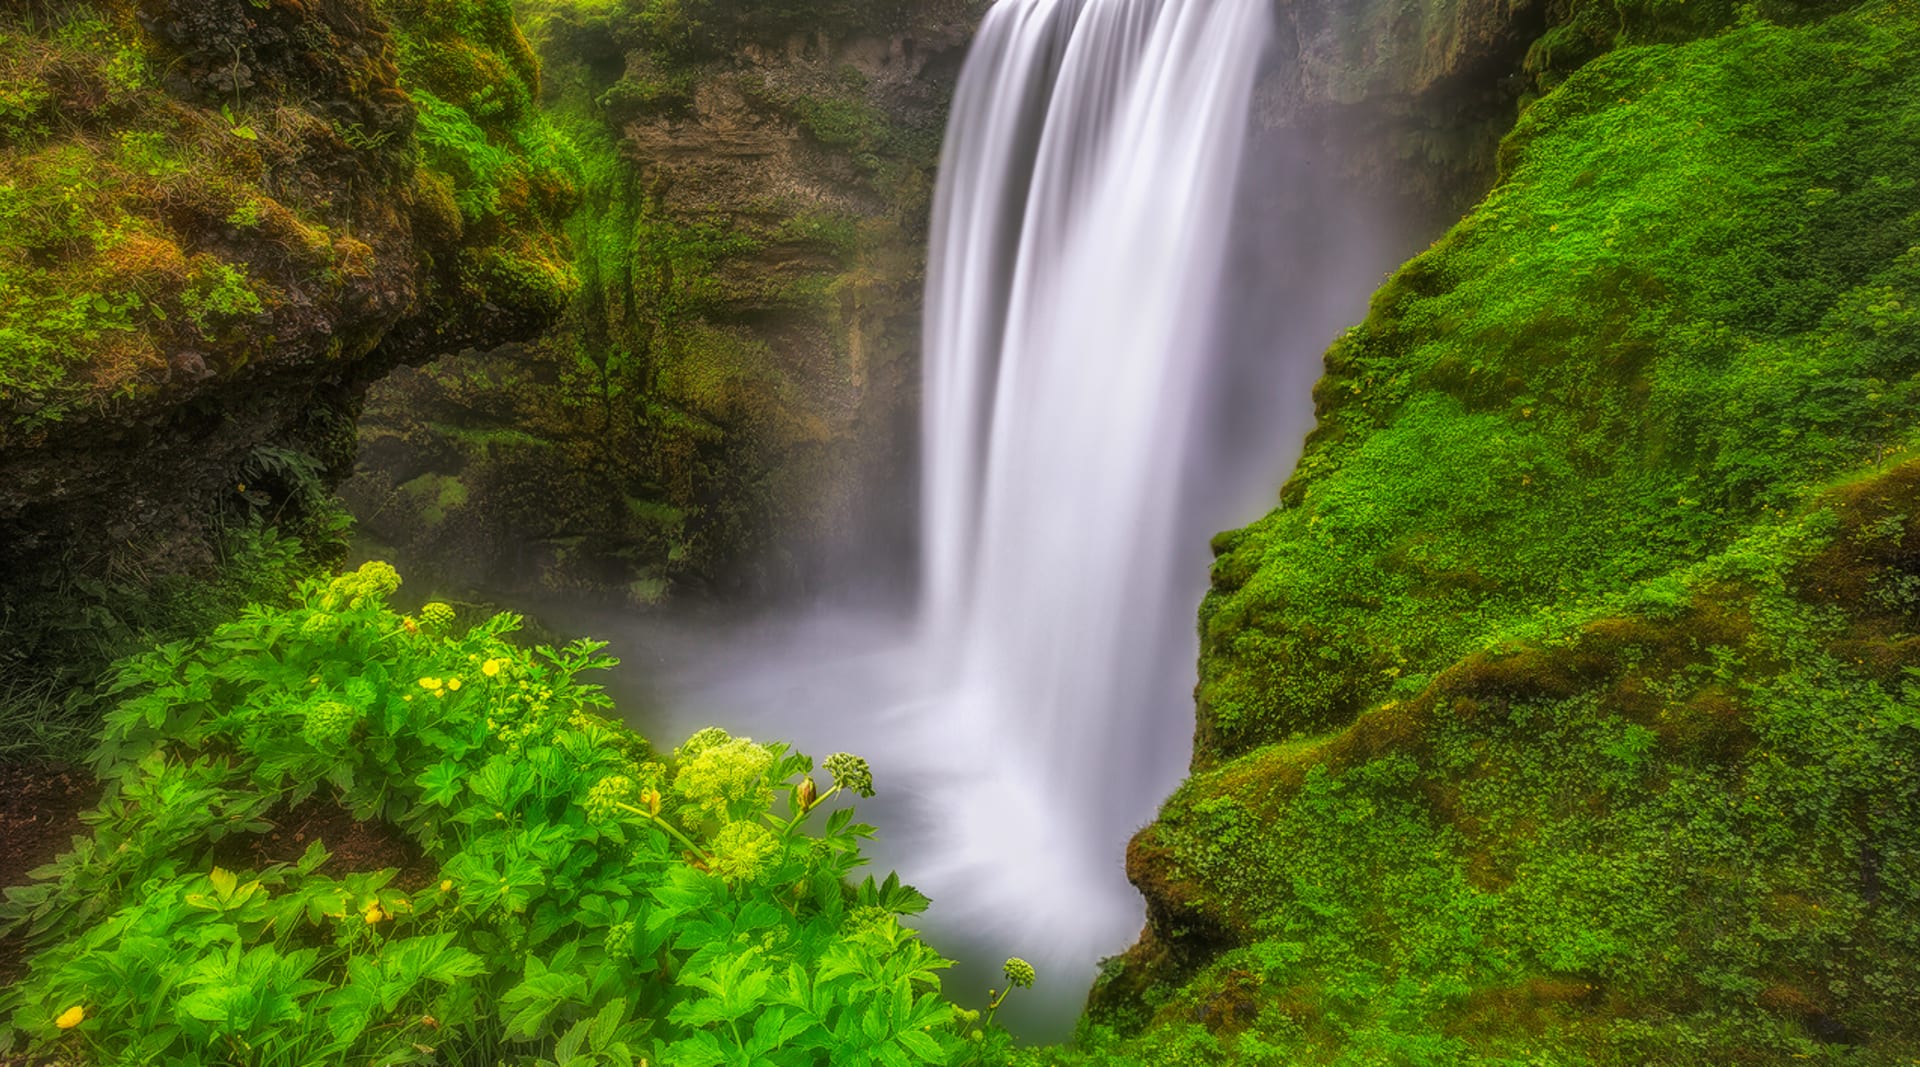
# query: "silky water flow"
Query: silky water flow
{"points": [[1129, 288]]}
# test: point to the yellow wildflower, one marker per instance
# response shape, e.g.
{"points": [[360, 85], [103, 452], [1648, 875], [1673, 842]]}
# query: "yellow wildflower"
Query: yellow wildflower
{"points": [[446, 885], [375, 913], [453, 683], [429, 683], [71, 1018], [490, 668]]}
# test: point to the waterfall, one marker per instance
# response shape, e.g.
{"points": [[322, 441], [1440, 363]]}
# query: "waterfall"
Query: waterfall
{"points": [[1130, 283], [1080, 230]]}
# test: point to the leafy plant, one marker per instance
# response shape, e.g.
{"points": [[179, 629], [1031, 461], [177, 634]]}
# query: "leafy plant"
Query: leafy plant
{"points": [[219, 293], [579, 900]]}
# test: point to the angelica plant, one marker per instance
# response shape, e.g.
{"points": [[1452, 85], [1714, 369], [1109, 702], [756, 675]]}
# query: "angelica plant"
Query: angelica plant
{"points": [[582, 899]]}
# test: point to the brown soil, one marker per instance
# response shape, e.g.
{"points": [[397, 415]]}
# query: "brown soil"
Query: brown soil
{"points": [[40, 806], [352, 846]]}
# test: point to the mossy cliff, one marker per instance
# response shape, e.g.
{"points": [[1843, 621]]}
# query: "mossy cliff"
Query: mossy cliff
{"points": [[220, 219], [742, 360], [1568, 709]]}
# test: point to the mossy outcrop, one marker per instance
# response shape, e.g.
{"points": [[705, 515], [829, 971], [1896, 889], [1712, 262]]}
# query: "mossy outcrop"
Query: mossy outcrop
{"points": [[731, 397], [219, 220], [1565, 712]]}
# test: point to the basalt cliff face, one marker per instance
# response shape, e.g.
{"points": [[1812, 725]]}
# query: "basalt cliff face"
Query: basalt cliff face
{"points": [[219, 221], [731, 401]]}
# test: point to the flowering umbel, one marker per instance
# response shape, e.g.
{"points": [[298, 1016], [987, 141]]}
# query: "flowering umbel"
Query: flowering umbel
{"points": [[436, 615], [1020, 972], [850, 772], [374, 579], [329, 722], [700, 742], [606, 796], [721, 774], [741, 851]]}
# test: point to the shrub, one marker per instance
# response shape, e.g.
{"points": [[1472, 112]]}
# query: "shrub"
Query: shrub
{"points": [[579, 898]]}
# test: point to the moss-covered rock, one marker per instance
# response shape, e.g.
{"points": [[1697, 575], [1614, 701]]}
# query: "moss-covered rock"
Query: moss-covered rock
{"points": [[1565, 712], [220, 219], [733, 389]]}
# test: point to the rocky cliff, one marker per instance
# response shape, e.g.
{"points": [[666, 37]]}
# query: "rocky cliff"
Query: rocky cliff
{"points": [[219, 220], [733, 394]]}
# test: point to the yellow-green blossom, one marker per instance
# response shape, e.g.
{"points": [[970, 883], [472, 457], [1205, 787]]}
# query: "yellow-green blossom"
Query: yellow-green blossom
{"points": [[700, 742], [606, 796], [329, 722], [725, 773], [742, 851], [373, 579]]}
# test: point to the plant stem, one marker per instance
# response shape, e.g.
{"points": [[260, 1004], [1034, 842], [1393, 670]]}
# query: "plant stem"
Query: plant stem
{"points": [[787, 828], [669, 828]]}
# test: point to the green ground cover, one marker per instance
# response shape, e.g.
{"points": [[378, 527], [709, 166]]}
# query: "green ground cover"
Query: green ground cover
{"points": [[574, 896]]}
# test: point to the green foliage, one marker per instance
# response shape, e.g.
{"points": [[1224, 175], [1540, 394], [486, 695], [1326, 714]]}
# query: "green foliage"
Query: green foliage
{"points": [[217, 293], [592, 903], [456, 145], [693, 29], [57, 639], [1687, 305]]}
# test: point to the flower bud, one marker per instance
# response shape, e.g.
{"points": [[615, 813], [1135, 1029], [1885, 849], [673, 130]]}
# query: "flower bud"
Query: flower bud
{"points": [[850, 772], [619, 939], [1020, 972], [806, 795]]}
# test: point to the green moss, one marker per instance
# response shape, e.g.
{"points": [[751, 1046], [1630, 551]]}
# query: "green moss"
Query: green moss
{"points": [[1688, 302], [1563, 714], [110, 180], [435, 496]]}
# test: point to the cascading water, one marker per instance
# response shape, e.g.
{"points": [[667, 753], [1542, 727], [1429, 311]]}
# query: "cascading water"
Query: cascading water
{"points": [[1085, 202], [1120, 330]]}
